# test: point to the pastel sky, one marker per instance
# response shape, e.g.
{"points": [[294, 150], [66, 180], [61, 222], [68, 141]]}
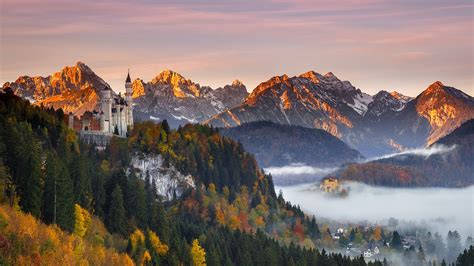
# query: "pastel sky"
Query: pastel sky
{"points": [[402, 45]]}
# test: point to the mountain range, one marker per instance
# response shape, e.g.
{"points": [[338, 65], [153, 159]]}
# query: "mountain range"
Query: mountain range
{"points": [[384, 123], [179, 100], [167, 96], [374, 125]]}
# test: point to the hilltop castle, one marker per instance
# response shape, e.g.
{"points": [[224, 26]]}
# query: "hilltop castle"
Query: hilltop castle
{"points": [[113, 115]]}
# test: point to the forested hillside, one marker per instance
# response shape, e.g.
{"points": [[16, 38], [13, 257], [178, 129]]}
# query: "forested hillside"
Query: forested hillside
{"points": [[231, 217], [281, 145], [450, 168]]}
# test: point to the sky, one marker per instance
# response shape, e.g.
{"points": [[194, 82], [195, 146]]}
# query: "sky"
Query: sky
{"points": [[402, 45]]}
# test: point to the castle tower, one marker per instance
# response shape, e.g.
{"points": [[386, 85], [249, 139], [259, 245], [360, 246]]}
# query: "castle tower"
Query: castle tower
{"points": [[102, 121], [71, 120], [128, 101], [106, 107]]}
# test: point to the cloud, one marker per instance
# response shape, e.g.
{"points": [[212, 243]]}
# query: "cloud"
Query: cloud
{"points": [[424, 152], [298, 169], [297, 173], [271, 36], [454, 206]]}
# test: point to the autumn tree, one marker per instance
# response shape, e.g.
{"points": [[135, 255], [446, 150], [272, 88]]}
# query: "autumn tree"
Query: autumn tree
{"points": [[82, 220], [198, 254]]}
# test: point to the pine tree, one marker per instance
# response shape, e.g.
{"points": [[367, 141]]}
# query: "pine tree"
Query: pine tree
{"points": [[136, 203], [50, 189], [82, 181], [64, 198], [166, 126], [421, 254], [98, 191], [28, 170], [396, 241], [116, 215]]}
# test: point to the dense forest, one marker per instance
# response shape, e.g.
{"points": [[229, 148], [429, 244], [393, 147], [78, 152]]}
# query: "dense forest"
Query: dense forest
{"points": [[99, 210]]}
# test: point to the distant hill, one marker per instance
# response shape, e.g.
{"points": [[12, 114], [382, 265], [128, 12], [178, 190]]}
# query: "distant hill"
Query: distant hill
{"points": [[449, 165], [280, 145]]}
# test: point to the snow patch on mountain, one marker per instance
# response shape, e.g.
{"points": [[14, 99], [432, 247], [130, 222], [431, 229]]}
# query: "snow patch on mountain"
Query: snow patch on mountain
{"points": [[182, 117], [361, 103], [169, 181]]}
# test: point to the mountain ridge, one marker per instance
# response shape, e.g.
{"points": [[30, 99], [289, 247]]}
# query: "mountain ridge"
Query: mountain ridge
{"points": [[76, 89], [375, 125], [282, 145]]}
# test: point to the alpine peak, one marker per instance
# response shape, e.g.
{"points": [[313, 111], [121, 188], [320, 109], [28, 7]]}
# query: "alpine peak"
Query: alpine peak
{"points": [[171, 77], [330, 75], [237, 83]]}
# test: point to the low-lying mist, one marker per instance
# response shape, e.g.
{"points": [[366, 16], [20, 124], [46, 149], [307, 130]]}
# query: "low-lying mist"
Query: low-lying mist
{"points": [[424, 152], [437, 209], [297, 173]]}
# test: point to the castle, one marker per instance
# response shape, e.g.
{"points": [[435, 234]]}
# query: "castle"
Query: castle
{"points": [[113, 115]]}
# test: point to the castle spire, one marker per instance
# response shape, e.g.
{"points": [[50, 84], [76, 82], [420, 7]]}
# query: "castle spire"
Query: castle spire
{"points": [[128, 80]]}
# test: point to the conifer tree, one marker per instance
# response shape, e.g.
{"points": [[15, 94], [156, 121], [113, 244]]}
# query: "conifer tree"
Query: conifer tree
{"points": [[28, 171], [64, 198], [396, 241], [116, 215]]}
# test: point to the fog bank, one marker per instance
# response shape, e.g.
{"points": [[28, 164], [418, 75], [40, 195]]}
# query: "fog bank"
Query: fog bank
{"points": [[297, 173], [425, 152], [439, 209]]}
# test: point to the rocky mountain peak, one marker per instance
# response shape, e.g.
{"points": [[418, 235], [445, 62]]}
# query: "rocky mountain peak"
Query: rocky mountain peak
{"points": [[262, 87], [330, 75], [170, 77], [237, 83], [436, 85], [400, 96], [313, 76], [382, 103], [445, 108]]}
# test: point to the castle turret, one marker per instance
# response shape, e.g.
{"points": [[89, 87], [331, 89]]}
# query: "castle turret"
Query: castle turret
{"points": [[106, 107], [128, 101], [71, 120]]}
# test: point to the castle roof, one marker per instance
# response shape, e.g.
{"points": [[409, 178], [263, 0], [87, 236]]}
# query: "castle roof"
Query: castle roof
{"points": [[107, 88], [128, 80]]}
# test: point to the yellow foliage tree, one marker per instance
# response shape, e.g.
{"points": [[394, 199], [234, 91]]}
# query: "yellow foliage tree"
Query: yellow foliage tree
{"points": [[82, 220], [220, 216], [377, 234], [160, 248], [146, 258], [49, 245], [234, 222], [136, 238], [198, 254]]}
